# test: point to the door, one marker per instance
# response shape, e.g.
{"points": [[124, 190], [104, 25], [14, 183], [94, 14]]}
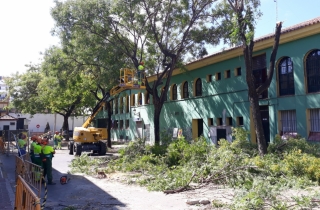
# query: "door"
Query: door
{"points": [[6, 132], [264, 110], [197, 128], [147, 132], [139, 129]]}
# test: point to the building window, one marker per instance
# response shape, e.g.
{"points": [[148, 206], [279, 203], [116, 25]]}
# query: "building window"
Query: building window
{"points": [[146, 98], [164, 95], [116, 106], [139, 99], [127, 104], [227, 74], [313, 71], [314, 134], [12, 123], [121, 105], [210, 121], [209, 78], [174, 92], [259, 70], [240, 121], [185, 91], [229, 121], [133, 100], [115, 124], [288, 123], [237, 72], [198, 87], [285, 72], [127, 124], [219, 121], [121, 124], [218, 76]]}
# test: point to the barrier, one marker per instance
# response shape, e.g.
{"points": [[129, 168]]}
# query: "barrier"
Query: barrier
{"points": [[2, 146], [25, 199], [30, 172]]}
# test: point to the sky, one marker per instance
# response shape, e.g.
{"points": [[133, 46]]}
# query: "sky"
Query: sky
{"points": [[26, 25]]}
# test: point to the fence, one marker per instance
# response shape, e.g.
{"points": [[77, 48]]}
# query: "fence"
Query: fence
{"points": [[8, 138], [30, 172], [26, 199]]}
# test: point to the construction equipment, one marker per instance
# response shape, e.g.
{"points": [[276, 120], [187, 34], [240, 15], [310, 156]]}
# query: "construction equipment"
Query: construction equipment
{"points": [[87, 138]]}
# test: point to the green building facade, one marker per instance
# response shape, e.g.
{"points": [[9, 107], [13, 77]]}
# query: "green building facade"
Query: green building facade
{"points": [[212, 92]]}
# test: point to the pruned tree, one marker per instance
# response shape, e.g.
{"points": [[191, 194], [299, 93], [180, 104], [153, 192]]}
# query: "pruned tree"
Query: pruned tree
{"points": [[161, 33], [240, 19]]}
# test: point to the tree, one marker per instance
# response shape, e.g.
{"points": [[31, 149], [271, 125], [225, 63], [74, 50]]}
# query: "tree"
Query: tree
{"points": [[241, 18], [62, 90], [161, 33]]}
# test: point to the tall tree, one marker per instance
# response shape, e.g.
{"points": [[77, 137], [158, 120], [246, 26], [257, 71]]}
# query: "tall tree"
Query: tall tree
{"points": [[161, 33], [241, 22], [62, 90]]}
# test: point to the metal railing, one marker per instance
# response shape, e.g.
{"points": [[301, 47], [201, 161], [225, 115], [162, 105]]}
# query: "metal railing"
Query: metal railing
{"points": [[25, 198]]}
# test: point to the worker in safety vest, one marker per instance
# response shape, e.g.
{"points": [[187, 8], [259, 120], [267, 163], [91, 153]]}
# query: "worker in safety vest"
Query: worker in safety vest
{"points": [[55, 139], [21, 144], [37, 149], [47, 155], [34, 139]]}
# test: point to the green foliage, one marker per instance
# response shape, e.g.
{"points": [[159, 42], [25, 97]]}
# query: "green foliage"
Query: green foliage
{"points": [[258, 181], [85, 164]]}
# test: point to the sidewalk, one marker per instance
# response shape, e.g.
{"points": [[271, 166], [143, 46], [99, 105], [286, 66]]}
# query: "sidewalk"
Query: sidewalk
{"points": [[6, 190]]}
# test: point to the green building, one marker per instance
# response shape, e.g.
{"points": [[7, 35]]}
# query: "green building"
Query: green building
{"points": [[212, 93]]}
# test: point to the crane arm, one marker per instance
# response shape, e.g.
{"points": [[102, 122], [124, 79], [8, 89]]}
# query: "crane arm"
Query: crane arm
{"points": [[96, 110]]}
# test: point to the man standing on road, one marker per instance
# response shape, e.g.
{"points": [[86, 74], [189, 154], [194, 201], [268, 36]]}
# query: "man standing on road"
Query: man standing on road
{"points": [[34, 142], [59, 139], [21, 144], [47, 155], [55, 139]]}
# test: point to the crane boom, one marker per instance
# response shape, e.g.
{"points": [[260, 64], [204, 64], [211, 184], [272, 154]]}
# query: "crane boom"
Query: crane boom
{"points": [[96, 110]]}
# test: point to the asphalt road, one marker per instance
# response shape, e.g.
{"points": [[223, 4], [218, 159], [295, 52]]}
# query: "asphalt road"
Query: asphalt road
{"points": [[89, 193], [85, 192]]}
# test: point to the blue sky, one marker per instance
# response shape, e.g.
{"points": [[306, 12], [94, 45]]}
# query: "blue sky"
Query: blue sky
{"points": [[26, 25]]}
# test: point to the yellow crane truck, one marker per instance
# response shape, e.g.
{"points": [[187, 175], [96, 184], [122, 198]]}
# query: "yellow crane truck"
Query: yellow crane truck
{"points": [[93, 139]]}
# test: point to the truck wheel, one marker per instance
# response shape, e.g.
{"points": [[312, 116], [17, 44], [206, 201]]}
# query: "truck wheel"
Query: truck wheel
{"points": [[70, 147], [103, 148], [77, 149]]}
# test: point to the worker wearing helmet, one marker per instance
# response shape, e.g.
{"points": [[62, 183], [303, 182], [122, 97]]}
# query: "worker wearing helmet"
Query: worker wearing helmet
{"points": [[56, 139], [34, 142], [59, 137], [37, 148], [21, 144], [47, 154]]}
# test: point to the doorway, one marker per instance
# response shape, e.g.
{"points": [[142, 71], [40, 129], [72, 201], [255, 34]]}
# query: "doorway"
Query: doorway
{"points": [[197, 128]]}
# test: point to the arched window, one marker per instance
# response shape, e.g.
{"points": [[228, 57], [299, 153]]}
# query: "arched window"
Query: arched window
{"points": [[313, 71], [185, 90], [165, 95], [198, 87], [286, 79], [174, 92]]}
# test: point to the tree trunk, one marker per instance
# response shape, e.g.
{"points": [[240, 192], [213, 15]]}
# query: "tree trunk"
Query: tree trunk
{"points": [[109, 124], [65, 126], [156, 119], [254, 100], [257, 121]]}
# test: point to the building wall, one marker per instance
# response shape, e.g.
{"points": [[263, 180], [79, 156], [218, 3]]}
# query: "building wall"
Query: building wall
{"points": [[55, 121], [229, 94]]}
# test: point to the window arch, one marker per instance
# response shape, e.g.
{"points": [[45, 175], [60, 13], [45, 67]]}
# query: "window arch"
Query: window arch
{"points": [[198, 87], [174, 92], [185, 90], [313, 71], [286, 77]]}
